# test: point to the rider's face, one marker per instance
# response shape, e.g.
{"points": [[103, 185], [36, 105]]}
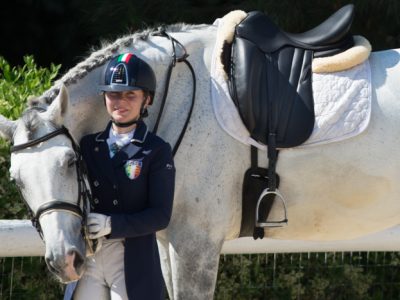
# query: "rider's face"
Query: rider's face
{"points": [[125, 106]]}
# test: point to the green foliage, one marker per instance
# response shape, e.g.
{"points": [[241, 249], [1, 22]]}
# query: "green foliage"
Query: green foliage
{"points": [[314, 276], [17, 83], [28, 278], [328, 276]]}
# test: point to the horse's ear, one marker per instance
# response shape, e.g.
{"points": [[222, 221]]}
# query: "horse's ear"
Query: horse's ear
{"points": [[7, 128], [57, 109]]}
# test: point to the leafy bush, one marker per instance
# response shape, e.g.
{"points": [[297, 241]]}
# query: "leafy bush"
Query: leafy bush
{"points": [[26, 278], [310, 276]]}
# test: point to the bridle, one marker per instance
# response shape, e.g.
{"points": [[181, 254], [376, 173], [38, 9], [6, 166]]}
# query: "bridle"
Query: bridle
{"points": [[84, 201], [82, 206], [172, 64]]}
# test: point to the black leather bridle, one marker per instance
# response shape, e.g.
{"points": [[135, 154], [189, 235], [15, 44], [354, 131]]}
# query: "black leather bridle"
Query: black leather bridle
{"points": [[82, 205], [84, 201], [174, 60]]}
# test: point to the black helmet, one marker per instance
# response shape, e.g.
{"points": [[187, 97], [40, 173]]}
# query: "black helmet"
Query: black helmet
{"points": [[128, 72]]}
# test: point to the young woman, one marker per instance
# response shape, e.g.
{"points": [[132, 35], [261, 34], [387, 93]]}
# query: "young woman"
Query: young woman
{"points": [[132, 177]]}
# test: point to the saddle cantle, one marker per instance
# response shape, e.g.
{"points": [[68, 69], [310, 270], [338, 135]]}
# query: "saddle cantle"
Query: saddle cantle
{"points": [[270, 73]]}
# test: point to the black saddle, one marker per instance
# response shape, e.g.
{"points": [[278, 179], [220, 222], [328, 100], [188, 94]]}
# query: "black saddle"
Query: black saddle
{"points": [[270, 74], [270, 81]]}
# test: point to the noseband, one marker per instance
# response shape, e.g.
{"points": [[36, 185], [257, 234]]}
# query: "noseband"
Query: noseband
{"points": [[83, 202]]}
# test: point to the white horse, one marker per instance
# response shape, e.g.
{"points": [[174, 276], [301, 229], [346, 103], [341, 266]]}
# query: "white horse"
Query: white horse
{"points": [[339, 190]]}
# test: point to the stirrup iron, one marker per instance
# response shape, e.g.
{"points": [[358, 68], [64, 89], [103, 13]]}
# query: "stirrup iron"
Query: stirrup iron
{"points": [[267, 223]]}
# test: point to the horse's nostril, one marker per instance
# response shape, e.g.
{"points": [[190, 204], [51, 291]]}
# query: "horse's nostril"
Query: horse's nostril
{"points": [[52, 266], [78, 259]]}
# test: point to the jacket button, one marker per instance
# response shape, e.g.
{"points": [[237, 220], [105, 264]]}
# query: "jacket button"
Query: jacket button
{"points": [[115, 202], [96, 183], [96, 200]]}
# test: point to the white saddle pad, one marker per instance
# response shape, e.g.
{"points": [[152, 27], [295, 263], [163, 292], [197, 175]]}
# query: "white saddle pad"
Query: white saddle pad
{"points": [[342, 104]]}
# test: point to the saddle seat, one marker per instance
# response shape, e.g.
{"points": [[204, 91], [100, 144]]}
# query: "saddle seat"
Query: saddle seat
{"points": [[270, 75], [332, 33]]}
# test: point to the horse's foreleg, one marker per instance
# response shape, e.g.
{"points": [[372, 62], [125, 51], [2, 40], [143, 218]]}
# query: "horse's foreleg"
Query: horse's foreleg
{"points": [[163, 247], [194, 261]]}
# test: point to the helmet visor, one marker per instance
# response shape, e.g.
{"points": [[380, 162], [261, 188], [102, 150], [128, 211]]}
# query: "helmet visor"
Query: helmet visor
{"points": [[118, 88]]}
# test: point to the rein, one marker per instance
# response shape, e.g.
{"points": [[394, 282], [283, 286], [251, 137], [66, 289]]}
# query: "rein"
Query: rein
{"points": [[172, 64], [83, 202]]}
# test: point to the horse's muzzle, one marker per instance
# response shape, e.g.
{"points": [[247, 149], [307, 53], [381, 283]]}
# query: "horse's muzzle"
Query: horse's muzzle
{"points": [[68, 268]]}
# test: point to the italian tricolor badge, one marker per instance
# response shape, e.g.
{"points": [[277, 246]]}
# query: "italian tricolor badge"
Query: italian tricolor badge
{"points": [[125, 57]]}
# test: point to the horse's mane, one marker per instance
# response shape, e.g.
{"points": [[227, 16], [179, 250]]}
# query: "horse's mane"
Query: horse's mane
{"points": [[102, 55]]}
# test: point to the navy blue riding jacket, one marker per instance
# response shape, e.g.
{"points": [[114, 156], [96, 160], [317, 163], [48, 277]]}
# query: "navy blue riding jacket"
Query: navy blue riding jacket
{"points": [[136, 188]]}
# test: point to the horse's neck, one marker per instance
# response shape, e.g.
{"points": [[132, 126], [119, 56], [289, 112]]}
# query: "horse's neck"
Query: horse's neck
{"points": [[199, 45]]}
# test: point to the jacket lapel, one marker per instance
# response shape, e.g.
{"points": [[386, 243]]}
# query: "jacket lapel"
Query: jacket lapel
{"points": [[101, 151], [133, 147], [124, 154]]}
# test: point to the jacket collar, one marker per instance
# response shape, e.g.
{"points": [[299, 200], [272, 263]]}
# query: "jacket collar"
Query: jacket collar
{"points": [[139, 135]]}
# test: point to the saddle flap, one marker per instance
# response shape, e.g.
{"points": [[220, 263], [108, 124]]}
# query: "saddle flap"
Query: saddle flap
{"points": [[275, 87]]}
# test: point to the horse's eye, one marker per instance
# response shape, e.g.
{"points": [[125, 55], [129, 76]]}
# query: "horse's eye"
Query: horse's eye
{"points": [[71, 161]]}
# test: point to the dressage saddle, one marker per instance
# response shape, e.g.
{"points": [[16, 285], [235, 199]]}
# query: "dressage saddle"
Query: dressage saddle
{"points": [[270, 82], [270, 73]]}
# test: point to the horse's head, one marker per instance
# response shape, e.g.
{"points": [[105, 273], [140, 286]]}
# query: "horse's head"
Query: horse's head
{"points": [[44, 167]]}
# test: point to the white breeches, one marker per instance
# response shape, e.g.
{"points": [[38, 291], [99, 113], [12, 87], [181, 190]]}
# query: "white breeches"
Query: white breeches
{"points": [[104, 277]]}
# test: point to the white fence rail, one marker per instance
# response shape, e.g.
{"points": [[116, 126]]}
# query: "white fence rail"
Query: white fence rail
{"points": [[19, 238]]}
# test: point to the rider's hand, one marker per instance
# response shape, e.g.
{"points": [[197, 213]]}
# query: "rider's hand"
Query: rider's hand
{"points": [[98, 225]]}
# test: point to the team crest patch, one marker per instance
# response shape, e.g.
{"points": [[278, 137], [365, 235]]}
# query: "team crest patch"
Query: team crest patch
{"points": [[133, 168]]}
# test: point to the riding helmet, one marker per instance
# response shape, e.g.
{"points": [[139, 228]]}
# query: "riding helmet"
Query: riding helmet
{"points": [[128, 72]]}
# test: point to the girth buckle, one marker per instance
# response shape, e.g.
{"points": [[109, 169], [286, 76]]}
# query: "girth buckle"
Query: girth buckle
{"points": [[276, 196]]}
